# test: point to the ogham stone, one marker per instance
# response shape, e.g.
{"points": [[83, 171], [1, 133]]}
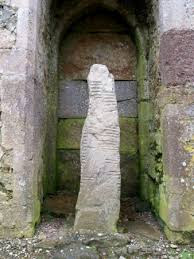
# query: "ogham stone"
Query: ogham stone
{"points": [[98, 203]]}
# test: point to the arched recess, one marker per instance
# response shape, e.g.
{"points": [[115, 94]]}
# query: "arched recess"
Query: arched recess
{"points": [[114, 39], [65, 21], [101, 37]]}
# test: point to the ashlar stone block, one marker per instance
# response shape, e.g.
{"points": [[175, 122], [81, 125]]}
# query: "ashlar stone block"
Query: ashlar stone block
{"points": [[73, 98], [98, 202], [177, 190]]}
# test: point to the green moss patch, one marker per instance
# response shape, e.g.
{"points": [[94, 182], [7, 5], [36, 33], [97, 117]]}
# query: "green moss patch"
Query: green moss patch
{"points": [[129, 175], [68, 170], [128, 141], [69, 133]]}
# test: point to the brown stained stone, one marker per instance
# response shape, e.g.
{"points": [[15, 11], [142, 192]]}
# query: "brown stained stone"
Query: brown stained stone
{"points": [[177, 57], [60, 204], [80, 51], [98, 38]]}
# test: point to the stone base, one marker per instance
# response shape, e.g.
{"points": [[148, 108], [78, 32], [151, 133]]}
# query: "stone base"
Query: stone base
{"points": [[27, 232], [87, 219], [179, 237]]}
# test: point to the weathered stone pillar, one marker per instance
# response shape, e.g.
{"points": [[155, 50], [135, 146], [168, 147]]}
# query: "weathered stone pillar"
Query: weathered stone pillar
{"points": [[19, 163], [26, 134], [176, 61], [98, 202]]}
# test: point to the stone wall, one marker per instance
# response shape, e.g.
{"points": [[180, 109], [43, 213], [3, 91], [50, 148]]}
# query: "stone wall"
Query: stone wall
{"points": [[8, 20], [149, 114], [177, 123], [27, 107], [167, 172], [20, 206]]}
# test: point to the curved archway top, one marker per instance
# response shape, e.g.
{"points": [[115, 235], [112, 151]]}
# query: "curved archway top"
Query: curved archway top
{"points": [[70, 11]]}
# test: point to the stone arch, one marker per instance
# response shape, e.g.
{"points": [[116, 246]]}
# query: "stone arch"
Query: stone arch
{"points": [[70, 15]]}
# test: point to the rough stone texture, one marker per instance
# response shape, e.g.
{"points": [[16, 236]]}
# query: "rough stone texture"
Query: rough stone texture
{"points": [[18, 173], [126, 93], [175, 102], [77, 55], [24, 116], [7, 39], [102, 39], [68, 168], [73, 98], [177, 190], [98, 202], [69, 133], [8, 19], [128, 128], [148, 83], [177, 57], [176, 14]]}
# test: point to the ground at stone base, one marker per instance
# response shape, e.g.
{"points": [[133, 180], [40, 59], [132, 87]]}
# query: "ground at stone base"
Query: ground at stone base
{"points": [[139, 236]]}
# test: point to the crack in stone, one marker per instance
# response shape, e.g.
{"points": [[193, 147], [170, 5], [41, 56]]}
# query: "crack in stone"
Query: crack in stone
{"points": [[128, 99]]}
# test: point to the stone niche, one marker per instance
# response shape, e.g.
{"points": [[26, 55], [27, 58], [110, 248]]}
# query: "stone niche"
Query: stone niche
{"points": [[46, 50], [98, 38]]}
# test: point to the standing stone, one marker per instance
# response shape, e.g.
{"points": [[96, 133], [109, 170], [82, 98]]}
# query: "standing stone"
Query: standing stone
{"points": [[98, 202]]}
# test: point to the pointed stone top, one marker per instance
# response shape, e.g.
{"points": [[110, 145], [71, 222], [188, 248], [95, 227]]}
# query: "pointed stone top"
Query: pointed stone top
{"points": [[98, 72]]}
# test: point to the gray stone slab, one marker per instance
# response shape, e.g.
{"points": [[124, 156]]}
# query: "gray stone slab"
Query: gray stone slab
{"points": [[73, 98], [126, 90], [127, 108]]}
